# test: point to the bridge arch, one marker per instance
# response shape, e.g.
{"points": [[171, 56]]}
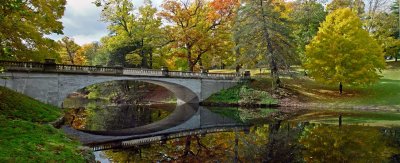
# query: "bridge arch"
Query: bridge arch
{"points": [[182, 93]]}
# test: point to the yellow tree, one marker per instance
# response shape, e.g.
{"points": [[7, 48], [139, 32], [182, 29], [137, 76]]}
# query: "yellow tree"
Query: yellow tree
{"points": [[343, 53], [68, 50]]}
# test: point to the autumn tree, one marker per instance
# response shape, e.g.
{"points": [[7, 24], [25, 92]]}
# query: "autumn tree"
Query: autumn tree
{"points": [[263, 33], [196, 27], [90, 51], [343, 53], [23, 25], [69, 51]]}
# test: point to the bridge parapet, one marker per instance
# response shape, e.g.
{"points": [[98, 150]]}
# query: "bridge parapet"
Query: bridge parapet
{"points": [[51, 67]]}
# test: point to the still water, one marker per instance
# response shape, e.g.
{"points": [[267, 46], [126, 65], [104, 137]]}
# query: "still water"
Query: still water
{"points": [[307, 136]]}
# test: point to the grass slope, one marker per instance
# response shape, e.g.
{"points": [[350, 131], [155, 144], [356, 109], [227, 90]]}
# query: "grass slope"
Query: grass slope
{"points": [[25, 138]]}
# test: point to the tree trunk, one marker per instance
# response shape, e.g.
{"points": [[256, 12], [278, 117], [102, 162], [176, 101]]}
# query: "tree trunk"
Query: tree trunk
{"points": [[71, 58], [144, 60], [191, 67], [273, 65], [187, 145], [144, 63], [340, 88], [151, 59], [273, 140], [395, 58], [189, 59]]}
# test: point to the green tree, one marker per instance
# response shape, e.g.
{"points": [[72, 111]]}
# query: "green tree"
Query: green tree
{"points": [[263, 34], [307, 16], [343, 53], [136, 32], [395, 12], [23, 25], [384, 29]]}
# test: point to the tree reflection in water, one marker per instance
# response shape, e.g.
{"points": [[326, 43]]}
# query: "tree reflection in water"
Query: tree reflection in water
{"points": [[95, 117], [329, 143]]}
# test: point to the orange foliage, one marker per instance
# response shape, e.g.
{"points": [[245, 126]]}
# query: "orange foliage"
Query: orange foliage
{"points": [[222, 8]]}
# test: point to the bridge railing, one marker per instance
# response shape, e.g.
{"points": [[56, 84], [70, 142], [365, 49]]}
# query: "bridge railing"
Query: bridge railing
{"points": [[87, 69], [184, 74], [23, 66], [143, 72], [50, 66]]}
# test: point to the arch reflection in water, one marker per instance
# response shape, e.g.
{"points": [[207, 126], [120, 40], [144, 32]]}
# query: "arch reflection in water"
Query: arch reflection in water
{"points": [[116, 117], [187, 119]]}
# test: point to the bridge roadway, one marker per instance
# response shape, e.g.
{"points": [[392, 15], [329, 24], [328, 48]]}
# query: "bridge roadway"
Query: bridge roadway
{"points": [[187, 119], [51, 83]]}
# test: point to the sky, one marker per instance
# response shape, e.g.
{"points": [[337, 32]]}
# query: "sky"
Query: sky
{"points": [[81, 21]]}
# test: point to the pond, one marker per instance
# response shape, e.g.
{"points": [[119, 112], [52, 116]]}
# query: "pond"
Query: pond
{"points": [[310, 135]]}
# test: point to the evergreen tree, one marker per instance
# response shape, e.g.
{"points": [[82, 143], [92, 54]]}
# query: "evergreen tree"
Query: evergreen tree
{"points": [[263, 34]]}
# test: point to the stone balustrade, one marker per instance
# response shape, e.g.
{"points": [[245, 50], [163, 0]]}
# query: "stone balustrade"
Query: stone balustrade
{"points": [[50, 66]]}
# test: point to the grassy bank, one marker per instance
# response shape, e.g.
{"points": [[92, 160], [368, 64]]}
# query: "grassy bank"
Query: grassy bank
{"points": [[243, 95], [25, 136]]}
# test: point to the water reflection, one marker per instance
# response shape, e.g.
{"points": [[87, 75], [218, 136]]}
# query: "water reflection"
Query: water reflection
{"points": [[311, 137], [269, 143], [274, 141]]}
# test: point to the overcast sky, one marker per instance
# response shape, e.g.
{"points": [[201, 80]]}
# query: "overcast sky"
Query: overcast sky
{"points": [[82, 21]]}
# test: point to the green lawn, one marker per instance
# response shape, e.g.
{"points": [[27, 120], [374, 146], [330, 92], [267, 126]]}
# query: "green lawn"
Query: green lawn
{"points": [[25, 136]]}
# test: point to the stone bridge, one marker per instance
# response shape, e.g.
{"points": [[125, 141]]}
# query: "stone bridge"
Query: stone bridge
{"points": [[51, 83]]}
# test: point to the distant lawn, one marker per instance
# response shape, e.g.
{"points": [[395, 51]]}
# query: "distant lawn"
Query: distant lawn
{"points": [[386, 92], [24, 136]]}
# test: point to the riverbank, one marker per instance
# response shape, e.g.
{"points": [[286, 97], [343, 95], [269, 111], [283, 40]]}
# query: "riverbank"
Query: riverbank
{"points": [[26, 135], [302, 92]]}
